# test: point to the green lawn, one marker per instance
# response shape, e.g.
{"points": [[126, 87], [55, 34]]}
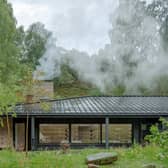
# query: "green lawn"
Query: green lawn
{"points": [[128, 158]]}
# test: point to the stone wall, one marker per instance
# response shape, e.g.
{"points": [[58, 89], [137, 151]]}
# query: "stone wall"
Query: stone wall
{"points": [[42, 90]]}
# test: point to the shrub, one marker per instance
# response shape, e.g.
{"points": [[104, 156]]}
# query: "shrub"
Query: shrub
{"points": [[159, 138]]}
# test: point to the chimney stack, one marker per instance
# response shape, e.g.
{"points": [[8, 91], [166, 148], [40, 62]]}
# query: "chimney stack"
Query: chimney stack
{"points": [[44, 90]]}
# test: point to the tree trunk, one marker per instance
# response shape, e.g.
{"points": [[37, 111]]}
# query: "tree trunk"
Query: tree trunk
{"points": [[27, 129], [8, 132]]}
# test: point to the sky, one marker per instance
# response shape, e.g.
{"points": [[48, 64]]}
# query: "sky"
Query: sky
{"points": [[79, 24]]}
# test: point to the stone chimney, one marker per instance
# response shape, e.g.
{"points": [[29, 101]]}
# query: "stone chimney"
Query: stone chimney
{"points": [[29, 98], [44, 90]]}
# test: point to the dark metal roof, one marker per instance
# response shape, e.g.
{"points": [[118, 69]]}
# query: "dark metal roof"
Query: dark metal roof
{"points": [[101, 105]]}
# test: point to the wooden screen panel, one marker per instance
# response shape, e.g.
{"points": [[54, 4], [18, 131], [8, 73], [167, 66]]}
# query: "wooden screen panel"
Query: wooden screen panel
{"points": [[53, 133], [20, 136], [85, 133], [118, 133], [4, 134]]}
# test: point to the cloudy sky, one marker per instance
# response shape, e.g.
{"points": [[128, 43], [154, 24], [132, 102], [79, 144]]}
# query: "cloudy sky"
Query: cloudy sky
{"points": [[80, 24]]}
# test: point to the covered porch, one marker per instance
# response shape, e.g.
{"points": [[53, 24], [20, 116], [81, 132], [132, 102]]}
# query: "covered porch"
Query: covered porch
{"points": [[101, 121], [49, 132]]}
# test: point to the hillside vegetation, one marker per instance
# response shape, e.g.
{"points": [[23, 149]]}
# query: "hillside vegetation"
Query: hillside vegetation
{"points": [[76, 89], [69, 84]]}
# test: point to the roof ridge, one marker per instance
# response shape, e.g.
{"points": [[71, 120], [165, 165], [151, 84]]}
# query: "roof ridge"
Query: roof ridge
{"points": [[81, 97]]}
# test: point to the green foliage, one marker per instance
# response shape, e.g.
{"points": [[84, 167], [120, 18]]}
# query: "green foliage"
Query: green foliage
{"points": [[161, 85], [10, 67], [159, 10], [45, 106], [144, 90], [159, 138], [67, 76], [68, 84], [95, 92], [8, 98], [118, 90], [33, 43], [76, 89], [8, 50]]}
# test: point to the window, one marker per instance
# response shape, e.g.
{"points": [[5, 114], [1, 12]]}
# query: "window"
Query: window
{"points": [[85, 133], [53, 133], [118, 133]]}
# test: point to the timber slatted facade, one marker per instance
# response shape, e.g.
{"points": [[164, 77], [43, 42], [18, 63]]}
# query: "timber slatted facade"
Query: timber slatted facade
{"points": [[88, 121], [4, 135]]}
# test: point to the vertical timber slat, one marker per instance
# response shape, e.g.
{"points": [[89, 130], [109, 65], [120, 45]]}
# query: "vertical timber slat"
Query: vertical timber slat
{"points": [[101, 134]]}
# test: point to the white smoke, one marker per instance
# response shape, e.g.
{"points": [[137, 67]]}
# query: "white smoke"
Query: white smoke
{"points": [[134, 57], [51, 60]]}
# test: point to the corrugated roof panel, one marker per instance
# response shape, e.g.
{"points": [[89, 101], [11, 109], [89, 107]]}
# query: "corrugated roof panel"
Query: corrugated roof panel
{"points": [[128, 105]]}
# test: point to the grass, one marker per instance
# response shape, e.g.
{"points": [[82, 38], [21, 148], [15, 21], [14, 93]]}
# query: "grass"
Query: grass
{"points": [[128, 158], [75, 89]]}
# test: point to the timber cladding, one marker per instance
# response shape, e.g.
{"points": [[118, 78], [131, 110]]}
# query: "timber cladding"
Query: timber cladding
{"points": [[4, 134], [85, 133]]}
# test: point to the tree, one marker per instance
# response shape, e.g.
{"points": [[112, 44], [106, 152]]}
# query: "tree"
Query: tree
{"points": [[159, 10], [29, 82], [33, 43], [135, 42], [126, 27], [8, 99], [161, 87], [9, 63], [8, 49], [31, 87], [67, 76]]}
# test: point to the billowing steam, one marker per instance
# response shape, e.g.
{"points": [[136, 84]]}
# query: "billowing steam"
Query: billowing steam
{"points": [[135, 56], [50, 62]]}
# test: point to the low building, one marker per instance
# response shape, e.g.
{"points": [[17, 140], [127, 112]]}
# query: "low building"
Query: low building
{"points": [[101, 121]]}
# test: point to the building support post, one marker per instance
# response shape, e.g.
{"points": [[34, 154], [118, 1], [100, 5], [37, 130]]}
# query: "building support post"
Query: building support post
{"points": [[136, 132], [33, 139], [107, 132], [70, 133]]}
